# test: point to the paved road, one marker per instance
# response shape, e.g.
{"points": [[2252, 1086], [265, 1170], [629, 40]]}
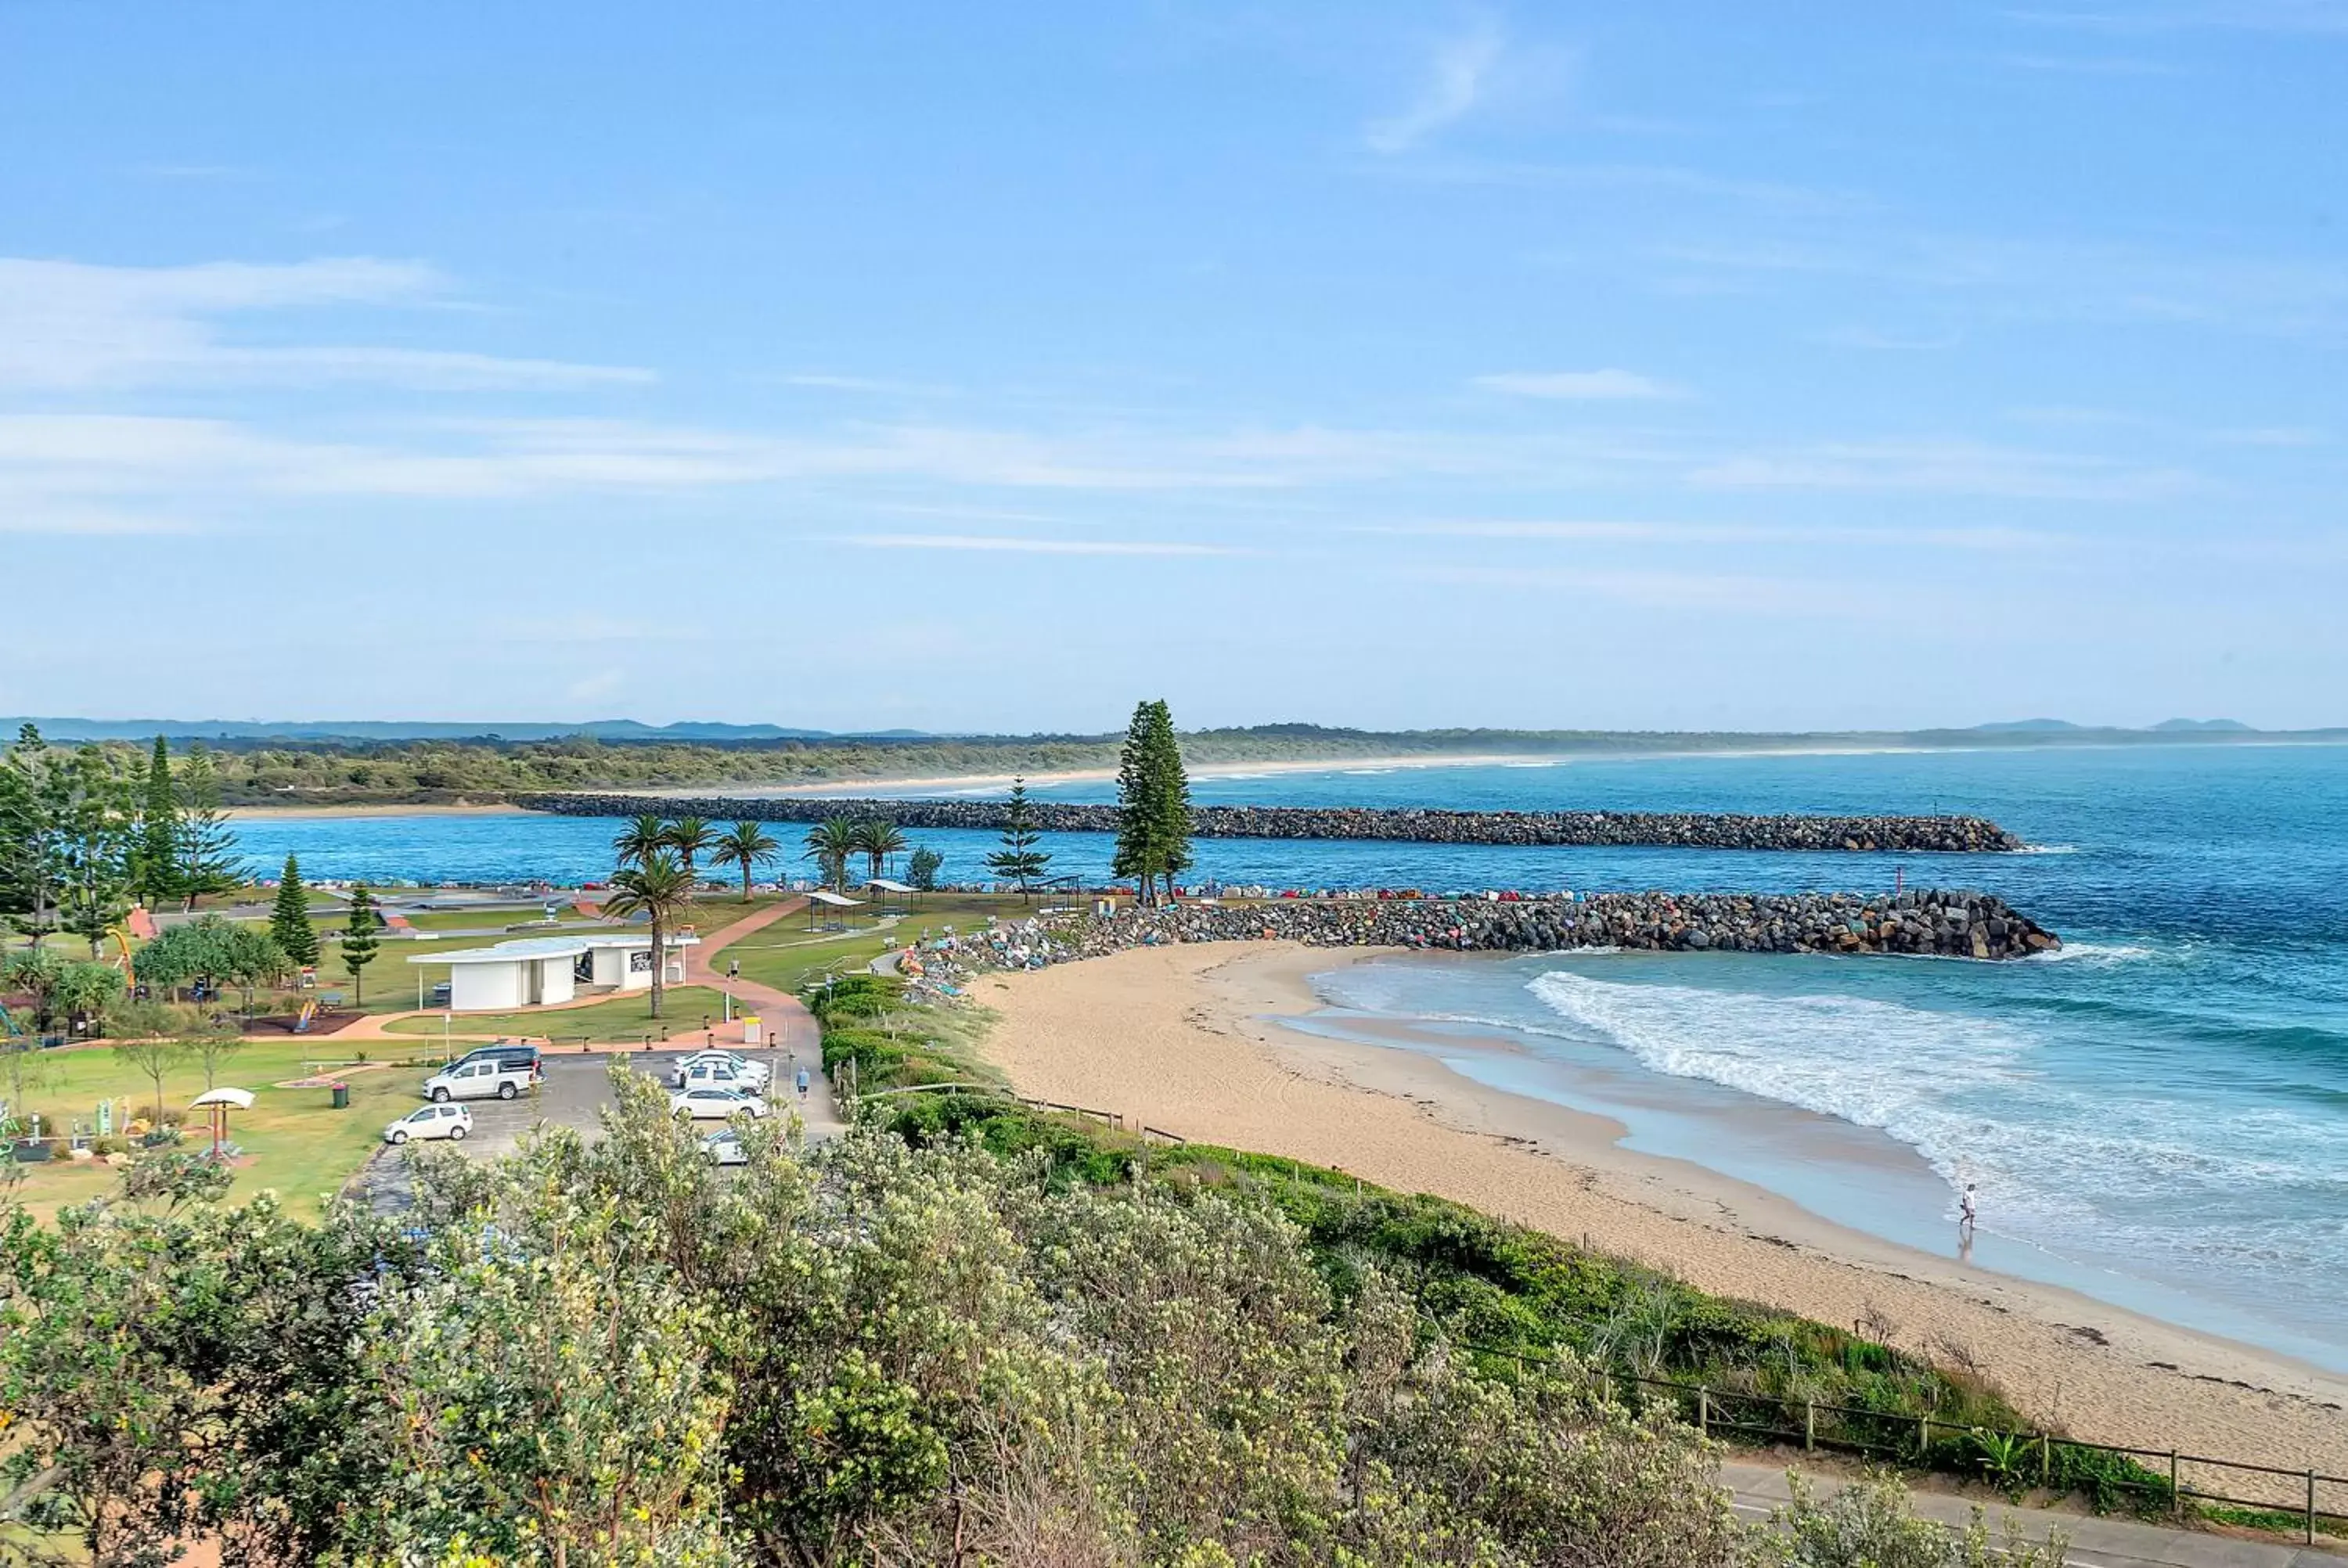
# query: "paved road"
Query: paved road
{"points": [[2095, 1543], [799, 1037]]}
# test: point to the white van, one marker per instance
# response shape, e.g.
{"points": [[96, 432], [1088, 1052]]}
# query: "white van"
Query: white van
{"points": [[478, 1080]]}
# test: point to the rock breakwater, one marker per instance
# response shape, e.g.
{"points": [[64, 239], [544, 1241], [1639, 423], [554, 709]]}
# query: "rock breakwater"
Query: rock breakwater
{"points": [[1693, 830], [1919, 922]]}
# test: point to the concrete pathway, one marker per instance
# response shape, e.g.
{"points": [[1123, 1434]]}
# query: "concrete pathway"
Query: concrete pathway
{"points": [[2095, 1543], [798, 1039]]}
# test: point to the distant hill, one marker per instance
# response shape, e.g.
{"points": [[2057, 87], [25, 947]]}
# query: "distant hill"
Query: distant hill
{"points": [[2029, 726], [68, 729], [2204, 726]]}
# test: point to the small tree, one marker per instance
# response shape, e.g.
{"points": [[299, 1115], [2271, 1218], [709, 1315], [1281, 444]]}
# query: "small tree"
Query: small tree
{"points": [[1153, 799], [922, 870], [253, 959], [359, 938], [156, 865], [1019, 860], [660, 889], [206, 859], [213, 1046], [690, 836], [151, 1058], [829, 845], [289, 920], [748, 846], [644, 835]]}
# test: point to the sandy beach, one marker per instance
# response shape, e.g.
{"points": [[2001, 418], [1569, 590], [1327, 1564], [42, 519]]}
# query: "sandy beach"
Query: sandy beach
{"points": [[1188, 1039], [299, 813]]}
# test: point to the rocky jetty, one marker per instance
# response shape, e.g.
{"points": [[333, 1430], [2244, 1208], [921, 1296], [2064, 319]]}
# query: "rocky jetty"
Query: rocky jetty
{"points": [[1693, 830], [1923, 923]]}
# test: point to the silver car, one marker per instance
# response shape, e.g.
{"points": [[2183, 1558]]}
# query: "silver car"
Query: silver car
{"points": [[707, 1100]]}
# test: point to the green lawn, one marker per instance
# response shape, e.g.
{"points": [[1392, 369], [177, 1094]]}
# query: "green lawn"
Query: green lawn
{"points": [[299, 1144], [785, 955], [626, 1018]]}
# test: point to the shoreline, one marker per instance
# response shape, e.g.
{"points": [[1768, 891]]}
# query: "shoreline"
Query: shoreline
{"points": [[1189, 1038], [301, 813]]}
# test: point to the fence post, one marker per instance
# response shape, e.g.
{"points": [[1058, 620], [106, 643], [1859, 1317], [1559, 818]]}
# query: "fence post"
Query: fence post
{"points": [[2045, 1461], [1923, 1436], [1703, 1429], [2176, 1498], [2311, 1508], [1809, 1425]]}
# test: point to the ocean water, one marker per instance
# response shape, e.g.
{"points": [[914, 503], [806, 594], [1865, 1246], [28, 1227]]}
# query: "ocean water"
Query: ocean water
{"points": [[2157, 1115]]}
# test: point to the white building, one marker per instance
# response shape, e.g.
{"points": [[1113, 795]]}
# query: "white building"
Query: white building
{"points": [[538, 971]]}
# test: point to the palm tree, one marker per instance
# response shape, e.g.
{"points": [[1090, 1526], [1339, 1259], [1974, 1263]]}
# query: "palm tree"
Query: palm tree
{"points": [[642, 837], [877, 841], [828, 844], [659, 887], [689, 836], [745, 845]]}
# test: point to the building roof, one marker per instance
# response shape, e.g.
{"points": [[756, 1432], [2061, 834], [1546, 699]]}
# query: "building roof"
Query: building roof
{"points": [[886, 885], [834, 899], [527, 949]]}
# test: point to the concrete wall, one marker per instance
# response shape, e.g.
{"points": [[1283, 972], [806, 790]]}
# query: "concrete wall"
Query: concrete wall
{"points": [[558, 985], [485, 988]]}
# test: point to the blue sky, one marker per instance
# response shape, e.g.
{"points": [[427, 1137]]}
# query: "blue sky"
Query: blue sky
{"points": [[1705, 366]]}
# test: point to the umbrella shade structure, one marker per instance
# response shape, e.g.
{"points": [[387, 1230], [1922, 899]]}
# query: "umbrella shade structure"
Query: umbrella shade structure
{"points": [[217, 1103]]}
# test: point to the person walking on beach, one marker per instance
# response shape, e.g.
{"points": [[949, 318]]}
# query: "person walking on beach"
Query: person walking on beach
{"points": [[1967, 1213]]}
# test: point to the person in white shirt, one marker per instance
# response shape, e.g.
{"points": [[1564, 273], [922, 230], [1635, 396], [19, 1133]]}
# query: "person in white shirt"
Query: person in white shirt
{"points": [[1966, 1210]]}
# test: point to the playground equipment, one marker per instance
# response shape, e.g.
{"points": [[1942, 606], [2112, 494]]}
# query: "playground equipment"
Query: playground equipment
{"points": [[301, 1020]]}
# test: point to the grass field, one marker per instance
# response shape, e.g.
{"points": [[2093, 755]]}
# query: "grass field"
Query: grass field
{"points": [[785, 955], [299, 1144], [627, 1018]]}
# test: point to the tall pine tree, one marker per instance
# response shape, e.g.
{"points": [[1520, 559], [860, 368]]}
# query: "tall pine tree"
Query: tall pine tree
{"points": [[155, 869], [1018, 860], [359, 937], [1153, 798], [206, 846], [94, 844], [289, 919]]}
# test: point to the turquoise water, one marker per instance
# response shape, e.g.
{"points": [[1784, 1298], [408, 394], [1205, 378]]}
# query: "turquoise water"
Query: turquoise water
{"points": [[2160, 1114]]}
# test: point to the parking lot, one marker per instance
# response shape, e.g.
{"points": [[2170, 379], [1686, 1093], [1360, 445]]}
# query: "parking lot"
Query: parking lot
{"points": [[575, 1087]]}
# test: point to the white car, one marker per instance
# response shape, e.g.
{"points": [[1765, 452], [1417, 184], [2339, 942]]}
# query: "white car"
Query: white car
{"points": [[724, 1147], [478, 1080], [440, 1121], [708, 1100], [721, 1075], [719, 1064]]}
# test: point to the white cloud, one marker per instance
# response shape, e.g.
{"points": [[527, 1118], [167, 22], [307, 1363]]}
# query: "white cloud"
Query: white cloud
{"points": [[1669, 590], [1024, 544], [1987, 536], [1579, 385], [1457, 79], [66, 326], [1946, 467]]}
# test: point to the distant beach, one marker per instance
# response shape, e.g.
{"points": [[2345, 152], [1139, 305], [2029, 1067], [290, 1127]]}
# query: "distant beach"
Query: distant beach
{"points": [[1189, 1038]]}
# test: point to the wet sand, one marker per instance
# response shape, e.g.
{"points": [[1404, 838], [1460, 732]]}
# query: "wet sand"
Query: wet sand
{"points": [[1188, 1039]]}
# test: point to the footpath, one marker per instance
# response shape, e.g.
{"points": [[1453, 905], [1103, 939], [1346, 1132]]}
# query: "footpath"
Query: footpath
{"points": [[796, 1033], [1760, 1488]]}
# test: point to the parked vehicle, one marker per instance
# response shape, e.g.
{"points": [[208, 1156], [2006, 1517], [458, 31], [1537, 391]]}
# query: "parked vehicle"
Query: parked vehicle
{"points": [[743, 1067], [438, 1121], [480, 1079], [709, 1100], [722, 1075], [724, 1147]]}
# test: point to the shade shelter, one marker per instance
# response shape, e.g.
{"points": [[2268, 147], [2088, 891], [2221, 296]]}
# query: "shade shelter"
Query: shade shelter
{"points": [[888, 889], [218, 1102], [825, 900]]}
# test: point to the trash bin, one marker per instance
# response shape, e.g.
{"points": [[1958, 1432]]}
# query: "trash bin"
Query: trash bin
{"points": [[342, 1096]]}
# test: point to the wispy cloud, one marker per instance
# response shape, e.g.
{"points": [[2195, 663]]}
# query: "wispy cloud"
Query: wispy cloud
{"points": [[2090, 65], [1945, 468], [878, 385], [1669, 590], [1457, 79], [1024, 545], [1579, 385], [67, 326], [2303, 17], [1987, 538]]}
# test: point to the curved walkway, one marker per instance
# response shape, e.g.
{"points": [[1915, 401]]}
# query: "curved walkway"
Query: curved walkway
{"points": [[796, 1034]]}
